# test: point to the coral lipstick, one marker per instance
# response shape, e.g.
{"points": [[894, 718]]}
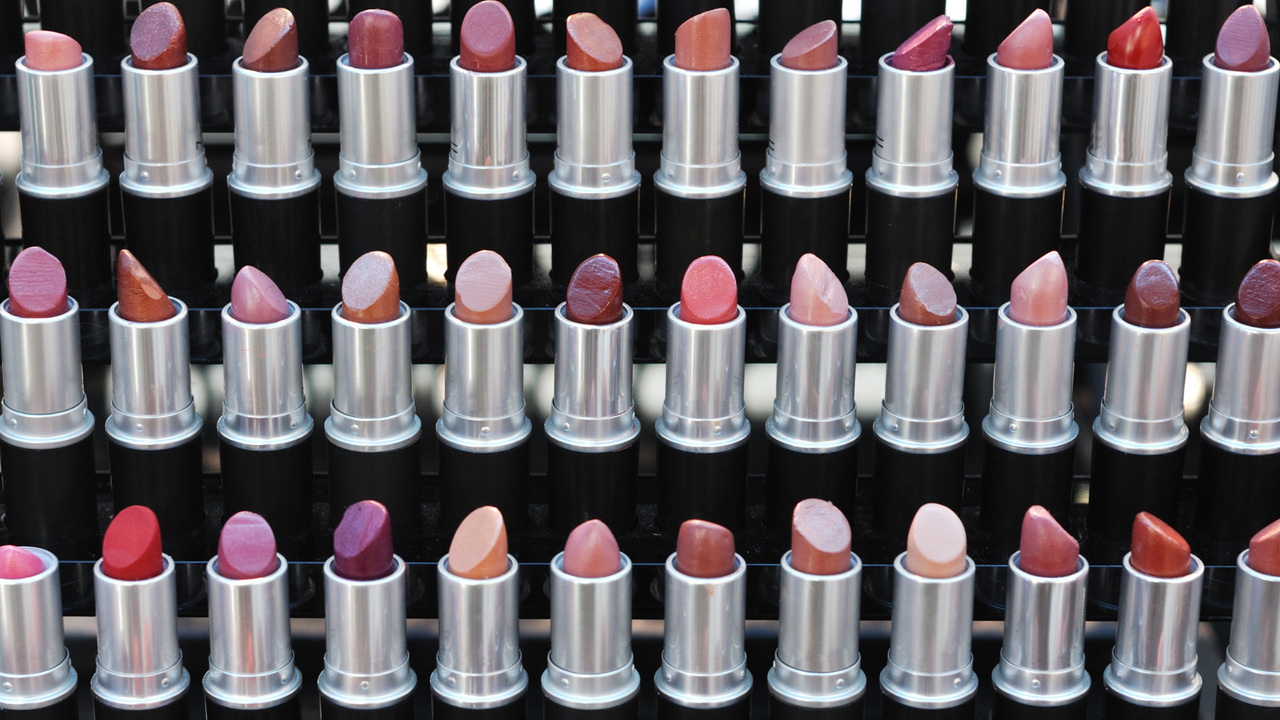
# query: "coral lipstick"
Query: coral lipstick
{"points": [[34, 648], [1246, 680]]}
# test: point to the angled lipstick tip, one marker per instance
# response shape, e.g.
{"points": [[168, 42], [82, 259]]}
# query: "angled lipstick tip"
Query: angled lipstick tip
{"points": [[708, 292], [704, 41], [272, 45], [820, 538], [927, 49], [591, 44], [141, 298], [927, 297], [936, 543], [482, 289], [817, 295], [1039, 293], [255, 299], [1152, 299], [478, 550], [1258, 298], [375, 40], [247, 548], [815, 48], [48, 51], [594, 296], [592, 551], [37, 285], [158, 40], [371, 289], [1030, 45], [1137, 44], [131, 546], [705, 549], [362, 542], [487, 38], [1046, 549], [1243, 44], [1158, 550], [1264, 550], [18, 563]]}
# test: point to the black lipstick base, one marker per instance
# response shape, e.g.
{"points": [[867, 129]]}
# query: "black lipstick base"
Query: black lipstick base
{"points": [[794, 476], [1104, 265], [171, 483], [619, 15], [281, 238], [1221, 239], [1238, 495], [1006, 708], [504, 226], [1117, 708], [904, 481], [1013, 482], [1010, 233], [469, 480], [581, 228], [903, 231], [707, 486], [276, 484], [779, 710], [66, 709], [1123, 484], [392, 477], [668, 710], [791, 227], [330, 710], [893, 710], [514, 710], [396, 226], [688, 228], [172, 238], [75, 230], [582, 486], [1227, 707], [177, 709]]}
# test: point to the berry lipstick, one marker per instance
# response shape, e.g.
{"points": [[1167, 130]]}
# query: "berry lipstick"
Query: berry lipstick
{"points": [[1247, 684], [33, 650]]}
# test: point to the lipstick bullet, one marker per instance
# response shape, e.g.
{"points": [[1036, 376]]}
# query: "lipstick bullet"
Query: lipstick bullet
{"points": [[34, 650]]}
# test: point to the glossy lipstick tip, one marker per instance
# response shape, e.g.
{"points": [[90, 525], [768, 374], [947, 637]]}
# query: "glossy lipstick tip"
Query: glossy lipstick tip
{"points": [[487, 39], [817, 296], [704, 549], [815, 48], [272, 46], [19, 563], [592, 46], [1046, 550], [703, 42], [1030, 45], [1152, 298], [255, 299], [708, 292], [142, 300], [48, 51], [1243, 44], [592, 551], [371, 289], [375, 40], [1258, 298], [936, 543], [1137, 44], [131, 545], [362, 542], [594, 296], [479, 547], [482, 289], [926, 50], [158, 40], [247, 548], [1158, 550], [820, 538], [927, 297], [1264, 550], [37, 285], [1039, 293]]}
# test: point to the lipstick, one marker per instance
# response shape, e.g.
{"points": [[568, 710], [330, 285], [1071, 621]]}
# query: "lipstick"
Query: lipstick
{"points": [[987, 24], [206, 22], [373, 430], [780, 21], [930, 666], [700, 186], [478, 670], [166, 186], [312, 27], [590, 669], [415, 17], [676, 13], [804, 201], [921, 432], [1125, 182], [884, 24], [595, 188], [34, 652], [274, 183], [703, 430], [251, 670], [488, 188], [621, 17], [704, 660], [593, 453], [265, 431], [62, 186], [366, 659], [139, 670], [1030, 429], [1247, 679], [911, 185], [381, 186], [1153, 665], [1230, 185], [524, 20], [814, 430], [483, 430]]}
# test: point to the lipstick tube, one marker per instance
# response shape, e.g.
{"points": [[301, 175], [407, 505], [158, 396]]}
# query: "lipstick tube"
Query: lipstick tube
{"points": [[1041, 672], [817, 671], [704, 659], [1153, 665], [62, 186], [1019, 183], [483, 430], [920, 432], [589, 669], [478, 671], [595, 188], [1230, 184], [488, 188], [1030, 430], [1248, 684], [373, 430], [703, 430], [814, 430], [139, 670], [251, 671], [274, 183], [804, 199], [381, 185], [35, 664], [1124, 184], [366, 658], [593, 453], [265, 431], [700, 186], [166, 186], [930, 668]]}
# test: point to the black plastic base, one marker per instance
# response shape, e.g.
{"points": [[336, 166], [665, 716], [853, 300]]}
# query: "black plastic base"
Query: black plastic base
{"points": [[396, 226], [904, 231], [171, 483], [1008, 235], [673, 14], [779, 710], [177, 709], [523, 17], [77, 231], [290, 709], [66, 709], [1226, 707], [891, 709], [150, 228], [618, 15], [629, 710], [392, 477], [687, 229], [503, 226], [275, 484], [582, 486], [794, 476], [1211, 267], [581, 228], [1004, 708], [1117, 708], [311, 18], [904, 481], [1013, 482], [791, 227], [1122, 485], [279, 237], [988, 23], [668, 710], [1238, 495], [1104, 266], [402, 710], [469, 480], [440, 710], [707, 486], [781, 20], [51, 498]]}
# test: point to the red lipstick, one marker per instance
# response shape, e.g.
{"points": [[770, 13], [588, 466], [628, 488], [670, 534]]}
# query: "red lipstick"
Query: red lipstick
{"points": [[131, 545], [362, 543], [1137, 44], [594, 296], [1152, 300], [1158, 550], [1242, 689], [34, 647]]}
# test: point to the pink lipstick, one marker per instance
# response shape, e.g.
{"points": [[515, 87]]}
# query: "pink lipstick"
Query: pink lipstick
{"points": [[33, 647]]}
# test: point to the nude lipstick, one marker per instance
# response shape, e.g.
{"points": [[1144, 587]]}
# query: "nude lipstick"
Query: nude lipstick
{"points": [[590, 670], [166, 186], [34, 652], [524, 20], [265, 431], [478, 670], [1230, 184], [381, 186], [488, 188], [1247, 684], [274, 183], [593, 450], [483, 430], [595, 188], [814, 430], [139, 669], [62, 186], [676, 13], [312, 27], [703, 430], [366, 658], [700, 186], [620, 17], [251, 670], [704, 660], [988, 24], [817, 671], [804, 201], [373, 430], [781, 20]]}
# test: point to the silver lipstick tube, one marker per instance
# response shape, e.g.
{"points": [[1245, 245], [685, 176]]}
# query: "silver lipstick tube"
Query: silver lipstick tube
{"points": [[1031, 410], [478, 664], [923, 409], [930, 664], [590, 664], [44, 404], [594, 156], [264, 406], [818, 664], [912, 156], [1233, 152], [1154, 661], [1020, 155], [372, 408], [250, 654], [704, 410], [700, 157], [489, 155], [139, 664], [814, 410], [484, 384], [806, 157], [273, 158], [35, 667], [1141, 411], [151, 403], [592, 410], [163, 150], [1127, 154], [1244, 414], [1042, 660], [378, 157], [704, 658], [366, 659], [1251, 672], [57, 114]]}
